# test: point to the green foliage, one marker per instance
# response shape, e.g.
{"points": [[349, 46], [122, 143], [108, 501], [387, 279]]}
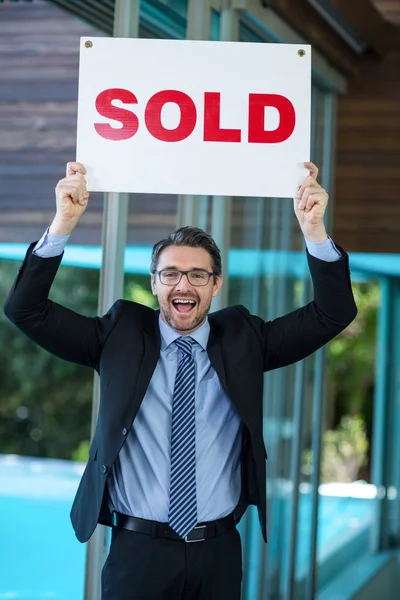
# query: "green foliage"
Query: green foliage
{"points": [[45, 404], [139, 291], [350, 382], [351, 357], [344, 451], [81, 454]]}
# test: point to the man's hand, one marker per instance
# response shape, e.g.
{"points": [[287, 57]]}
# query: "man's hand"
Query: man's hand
{"points": [[309, 206], [71, 199]]}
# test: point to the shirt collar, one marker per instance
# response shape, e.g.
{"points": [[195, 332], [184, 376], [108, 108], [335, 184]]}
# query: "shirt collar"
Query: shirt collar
{"points": [[169, 335]]}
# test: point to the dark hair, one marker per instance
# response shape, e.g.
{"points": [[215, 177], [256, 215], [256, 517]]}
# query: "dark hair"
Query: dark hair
{"points": [[189, 236]]}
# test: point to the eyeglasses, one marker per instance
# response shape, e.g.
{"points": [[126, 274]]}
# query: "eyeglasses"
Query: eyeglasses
{"points": [[173, 277]]}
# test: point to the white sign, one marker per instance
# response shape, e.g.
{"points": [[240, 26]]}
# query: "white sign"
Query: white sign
{"points": [[194, 117]]}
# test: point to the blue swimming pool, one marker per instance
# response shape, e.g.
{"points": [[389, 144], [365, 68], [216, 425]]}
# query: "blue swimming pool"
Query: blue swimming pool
{"points": [[40, 558]]}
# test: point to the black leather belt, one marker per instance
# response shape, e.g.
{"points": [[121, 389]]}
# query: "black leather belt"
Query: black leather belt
{"points": [[200, 533]]}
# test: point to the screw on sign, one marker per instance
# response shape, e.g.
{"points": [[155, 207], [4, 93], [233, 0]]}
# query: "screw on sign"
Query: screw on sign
{"points": [[212, 131]]}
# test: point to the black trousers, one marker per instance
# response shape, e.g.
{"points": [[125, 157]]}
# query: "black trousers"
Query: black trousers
{"points": [[140, 567]]}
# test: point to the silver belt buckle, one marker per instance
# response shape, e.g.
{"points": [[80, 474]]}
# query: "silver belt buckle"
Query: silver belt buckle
{"points": [[193, 541]]}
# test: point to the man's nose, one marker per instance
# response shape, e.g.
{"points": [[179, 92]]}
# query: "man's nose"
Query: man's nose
{"points": [[183, 285]]}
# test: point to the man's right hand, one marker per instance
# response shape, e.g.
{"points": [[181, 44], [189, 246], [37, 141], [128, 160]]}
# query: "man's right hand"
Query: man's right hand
{"points": [[71, 199]]}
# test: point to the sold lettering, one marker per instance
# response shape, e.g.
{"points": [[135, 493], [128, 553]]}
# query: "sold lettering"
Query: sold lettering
{"points": [[212, 130]]}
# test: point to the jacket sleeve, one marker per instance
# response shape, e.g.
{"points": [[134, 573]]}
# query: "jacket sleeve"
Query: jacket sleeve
{"points": [[300, 333], [57, 329]]}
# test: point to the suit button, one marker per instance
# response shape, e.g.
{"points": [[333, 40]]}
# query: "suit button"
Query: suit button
{"points": [[124, 431], [104, 469]]}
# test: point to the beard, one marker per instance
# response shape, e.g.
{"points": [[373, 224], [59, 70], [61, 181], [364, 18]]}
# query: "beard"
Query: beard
{"points": [[195, 322]]}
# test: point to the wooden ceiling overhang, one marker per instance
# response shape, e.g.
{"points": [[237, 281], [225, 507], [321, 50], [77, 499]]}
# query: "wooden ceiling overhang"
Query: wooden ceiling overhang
{"points": [[376, 28]]}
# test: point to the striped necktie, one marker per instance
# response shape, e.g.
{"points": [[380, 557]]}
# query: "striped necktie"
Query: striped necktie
{"points": [[182, 499]]}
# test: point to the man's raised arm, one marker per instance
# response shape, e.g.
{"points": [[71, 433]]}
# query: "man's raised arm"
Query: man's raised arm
{"points": [[55, 328], [300, 333]]}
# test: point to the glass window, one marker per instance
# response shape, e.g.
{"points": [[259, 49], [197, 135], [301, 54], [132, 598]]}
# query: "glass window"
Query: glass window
{"points": [[215, 25], [151, 218], [179, 7], [273, 279], [347, 496], [163, 19]]}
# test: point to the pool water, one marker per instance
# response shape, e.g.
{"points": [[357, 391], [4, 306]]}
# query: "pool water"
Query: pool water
{"points": [[40, 556]]}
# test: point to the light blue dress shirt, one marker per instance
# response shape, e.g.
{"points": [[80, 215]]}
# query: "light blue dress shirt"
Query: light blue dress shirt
{"points": [[139, 481]]}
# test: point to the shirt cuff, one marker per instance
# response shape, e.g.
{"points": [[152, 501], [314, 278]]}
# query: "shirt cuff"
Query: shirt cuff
{"points": [[50, 245], [325, 250]]}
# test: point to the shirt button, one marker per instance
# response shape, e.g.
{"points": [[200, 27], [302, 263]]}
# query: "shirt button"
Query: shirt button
{"points": [[104, 469], [124, 431]]}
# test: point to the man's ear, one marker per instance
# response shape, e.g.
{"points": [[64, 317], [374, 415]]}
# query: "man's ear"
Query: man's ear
{"points": [[153, 284], [217, 285]]}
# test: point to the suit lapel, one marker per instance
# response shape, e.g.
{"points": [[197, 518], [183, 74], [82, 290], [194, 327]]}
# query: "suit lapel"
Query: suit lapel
{"points": [[151, 354], [238, 399], [215, 355]]}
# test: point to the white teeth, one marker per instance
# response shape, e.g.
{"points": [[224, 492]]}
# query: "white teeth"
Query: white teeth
{"points": [[183, 301]]}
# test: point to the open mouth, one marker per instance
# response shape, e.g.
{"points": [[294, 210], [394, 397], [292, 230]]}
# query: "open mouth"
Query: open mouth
{"points": [[183, 306]]}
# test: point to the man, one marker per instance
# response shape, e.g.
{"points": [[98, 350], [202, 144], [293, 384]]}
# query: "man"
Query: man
{"points": [[178, 452]]}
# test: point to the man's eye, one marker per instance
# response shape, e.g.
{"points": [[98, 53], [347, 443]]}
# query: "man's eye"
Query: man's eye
{"points": [[170, 274], [199, 276]]}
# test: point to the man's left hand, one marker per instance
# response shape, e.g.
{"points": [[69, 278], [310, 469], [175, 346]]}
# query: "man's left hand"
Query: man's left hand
{"points": [[309, 206]]}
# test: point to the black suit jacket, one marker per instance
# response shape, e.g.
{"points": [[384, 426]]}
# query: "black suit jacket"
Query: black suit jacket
{"points": [[123, 346]]}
